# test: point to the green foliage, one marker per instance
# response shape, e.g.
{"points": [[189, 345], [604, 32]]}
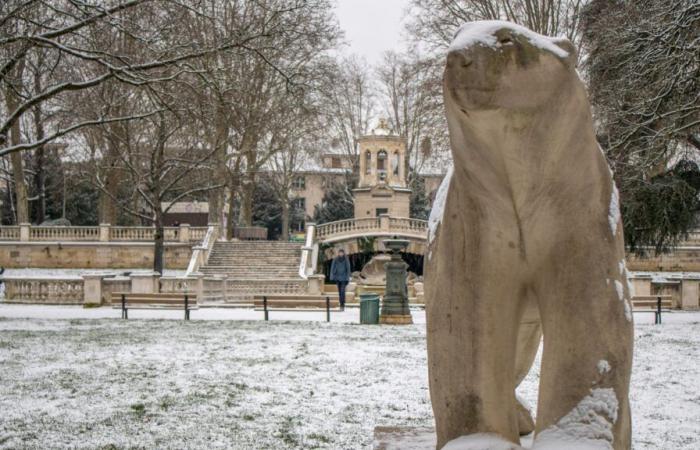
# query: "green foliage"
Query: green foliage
{"points": [[419, 206], [660, 211], [337, 204], [267, 210]]}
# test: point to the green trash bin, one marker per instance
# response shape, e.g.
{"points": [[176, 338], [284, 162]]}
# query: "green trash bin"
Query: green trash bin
{"points": [[369, 309]]}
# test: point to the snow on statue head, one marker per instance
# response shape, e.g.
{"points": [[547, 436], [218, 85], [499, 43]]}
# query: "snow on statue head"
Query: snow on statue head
{"points": [[525, 236]]}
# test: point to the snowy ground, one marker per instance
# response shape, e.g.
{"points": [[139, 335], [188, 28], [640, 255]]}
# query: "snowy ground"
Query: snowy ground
{"points": [[80, 378]]}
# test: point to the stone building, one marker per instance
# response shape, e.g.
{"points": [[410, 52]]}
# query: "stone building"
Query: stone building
{"points": [[382, 187]]}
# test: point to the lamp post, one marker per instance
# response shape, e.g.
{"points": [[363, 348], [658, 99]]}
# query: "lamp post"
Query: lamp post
{"points": [[395, 309]]}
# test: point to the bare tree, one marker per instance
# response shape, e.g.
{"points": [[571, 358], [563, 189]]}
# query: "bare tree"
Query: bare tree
{"points": [[644, 81], [159, 162], [434, 22], [350, 104], [410, 87]]}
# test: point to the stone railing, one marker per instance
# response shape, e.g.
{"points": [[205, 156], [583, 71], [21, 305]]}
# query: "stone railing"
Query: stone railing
{"points": [[250, 233], [240, 290], [9, 233], [39, 233], [102, 233], [47, 290], [383, 225], [200, 253], [406, 224], [309, 252]]}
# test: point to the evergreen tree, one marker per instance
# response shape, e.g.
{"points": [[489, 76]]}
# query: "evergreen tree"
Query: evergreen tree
{"points": [[419, 206], [337, 204]]}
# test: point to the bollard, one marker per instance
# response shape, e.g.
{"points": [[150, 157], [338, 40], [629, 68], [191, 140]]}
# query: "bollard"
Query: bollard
{"points": [[267, 316], [328, 309], [187, 309], [125, 315], [657, 320]]}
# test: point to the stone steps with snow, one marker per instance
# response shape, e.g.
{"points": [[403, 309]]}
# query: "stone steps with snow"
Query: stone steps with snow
{"points": [[255, 268]]}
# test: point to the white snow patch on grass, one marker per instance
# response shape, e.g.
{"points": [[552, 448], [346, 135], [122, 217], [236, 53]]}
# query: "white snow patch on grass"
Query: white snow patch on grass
{"points": [[243, 384], [483, 32], [603, 366]]}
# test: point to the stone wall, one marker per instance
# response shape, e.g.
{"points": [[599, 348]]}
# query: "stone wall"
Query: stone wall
{"points": [[90, 255], [682, 259]]}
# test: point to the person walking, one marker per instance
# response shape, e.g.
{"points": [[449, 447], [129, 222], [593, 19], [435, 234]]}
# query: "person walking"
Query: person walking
{"points": [[340, 273]]}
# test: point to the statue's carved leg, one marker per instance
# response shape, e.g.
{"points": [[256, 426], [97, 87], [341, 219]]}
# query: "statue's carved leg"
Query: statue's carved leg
{"points": [[587, 353], [473, 320], [529, 337]]}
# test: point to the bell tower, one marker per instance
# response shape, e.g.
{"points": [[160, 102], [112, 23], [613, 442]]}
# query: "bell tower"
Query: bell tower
{"points": [[382, 187]]}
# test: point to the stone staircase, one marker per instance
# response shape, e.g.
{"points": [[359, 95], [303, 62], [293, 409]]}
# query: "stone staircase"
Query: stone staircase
{"points": [[256, 268]]}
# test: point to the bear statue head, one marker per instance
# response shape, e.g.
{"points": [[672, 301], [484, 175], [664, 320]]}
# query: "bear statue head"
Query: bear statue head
{"points": [[500, 65]]}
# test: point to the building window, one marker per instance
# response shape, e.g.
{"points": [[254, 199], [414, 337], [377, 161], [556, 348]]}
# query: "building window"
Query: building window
{"points": [[395, 164], [368, 162], [299, 182], [336, 163], [381, 160], [299, 204], [381, 211]]}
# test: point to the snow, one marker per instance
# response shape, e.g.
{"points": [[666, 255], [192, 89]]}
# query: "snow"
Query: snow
{"points": [[438, 209], [82, 378], [587, 427], [483, 32], [614, 209], [480, 441], [603, 366], [620, 290]]}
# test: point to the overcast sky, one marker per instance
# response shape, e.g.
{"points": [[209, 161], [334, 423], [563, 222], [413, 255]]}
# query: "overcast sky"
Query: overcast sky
{"points": [[372, 26]]}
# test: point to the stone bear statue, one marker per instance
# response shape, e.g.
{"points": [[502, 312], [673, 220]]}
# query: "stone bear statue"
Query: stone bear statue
{"points": [[525, 229]]}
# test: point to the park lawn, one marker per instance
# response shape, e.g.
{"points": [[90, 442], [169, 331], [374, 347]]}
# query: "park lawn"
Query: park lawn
{"points": [[106, 383]]}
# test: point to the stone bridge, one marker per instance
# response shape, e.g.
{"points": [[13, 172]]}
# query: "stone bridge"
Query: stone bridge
{"points": [[382, 226], [348, 235]]}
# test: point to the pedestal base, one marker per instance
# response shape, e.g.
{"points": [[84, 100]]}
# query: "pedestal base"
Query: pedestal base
{"points": [[404, 438], [406, 319], [417, 438]]}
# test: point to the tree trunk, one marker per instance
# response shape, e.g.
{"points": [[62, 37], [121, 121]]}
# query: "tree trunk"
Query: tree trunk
{"points": [[20, 186], [285, 220], [158, 240], [247, 200], [40, 186], [12, 102]]}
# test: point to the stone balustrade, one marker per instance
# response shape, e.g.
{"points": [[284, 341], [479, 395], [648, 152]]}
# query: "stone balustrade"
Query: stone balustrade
{"points": [[9, 233], [64, 291], [383, 225], [102, 233]]}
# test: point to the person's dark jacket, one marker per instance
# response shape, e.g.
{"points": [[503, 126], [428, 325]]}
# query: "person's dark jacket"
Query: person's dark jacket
{"points": [[340, 269]]}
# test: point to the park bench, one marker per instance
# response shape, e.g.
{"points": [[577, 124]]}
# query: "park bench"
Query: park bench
{"points": [[652, 303], [296, 302], [179, 301]]}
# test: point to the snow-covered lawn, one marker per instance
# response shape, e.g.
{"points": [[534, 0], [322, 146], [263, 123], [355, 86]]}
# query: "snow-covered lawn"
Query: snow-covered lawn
{"points": [[86, 380]]}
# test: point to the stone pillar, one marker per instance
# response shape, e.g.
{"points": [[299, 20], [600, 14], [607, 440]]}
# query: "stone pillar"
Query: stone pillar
{"points": [[104, 232], [24, 231], [145, 282], [395, 309], [384, 224], [641, 286], [200, 286], [690, 294], [92, 289], [315, 286], [184, 232]]}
